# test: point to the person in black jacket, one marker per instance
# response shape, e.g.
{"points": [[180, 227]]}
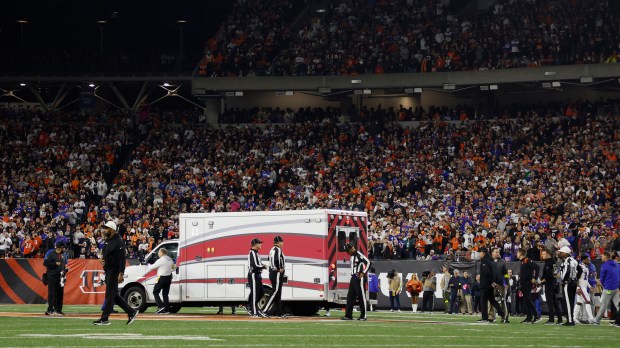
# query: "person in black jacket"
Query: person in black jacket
{"points": [[548, 281], [528, 273], [488, 283], [56, 265], [113, 261]]}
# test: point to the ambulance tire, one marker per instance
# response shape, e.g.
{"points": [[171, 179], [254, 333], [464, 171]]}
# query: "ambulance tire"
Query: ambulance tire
{"points": [[136, 298], [263, 301], [175, 308]]}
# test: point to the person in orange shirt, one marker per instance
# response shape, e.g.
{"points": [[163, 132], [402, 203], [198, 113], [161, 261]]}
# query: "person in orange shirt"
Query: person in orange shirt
{"points": [[28, 247], [456, 242], [38, 242]]}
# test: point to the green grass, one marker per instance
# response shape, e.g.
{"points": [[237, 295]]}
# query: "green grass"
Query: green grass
{"points": [[382, 330]]}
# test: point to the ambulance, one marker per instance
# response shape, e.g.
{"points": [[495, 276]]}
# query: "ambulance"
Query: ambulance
{"points": [[211, 256]]}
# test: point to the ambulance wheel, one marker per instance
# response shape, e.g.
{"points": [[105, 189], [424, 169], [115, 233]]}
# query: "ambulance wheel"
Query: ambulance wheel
{"points": [[136, 298], [175, 308], [263, 301]]}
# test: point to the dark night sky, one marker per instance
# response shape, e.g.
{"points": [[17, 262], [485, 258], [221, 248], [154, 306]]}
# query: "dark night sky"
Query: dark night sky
{"points": [[139, 24]]}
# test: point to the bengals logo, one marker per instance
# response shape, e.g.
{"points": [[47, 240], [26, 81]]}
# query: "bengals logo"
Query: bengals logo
{"points": [[93, 282]]}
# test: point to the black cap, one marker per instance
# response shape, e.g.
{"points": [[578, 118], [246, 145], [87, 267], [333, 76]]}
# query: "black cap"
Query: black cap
{"points": [[60, 245], [483, 250], [277, 239], [256, 241]]}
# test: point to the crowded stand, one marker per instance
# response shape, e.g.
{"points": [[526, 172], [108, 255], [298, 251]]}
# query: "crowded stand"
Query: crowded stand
{"points": [[54, 177], [414, 36], [437, 189]]}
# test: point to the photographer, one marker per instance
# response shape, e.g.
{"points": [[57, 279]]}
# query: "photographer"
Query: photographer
{"points": [[395, 287], [428, 290], [56, 265]]}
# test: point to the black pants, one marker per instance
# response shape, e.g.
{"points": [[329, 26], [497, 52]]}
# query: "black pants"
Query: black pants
{"points": [[357, 290], [427, 301], [454, 302], [276, 298], [570, 289], [488, 295], [551, 301], [255, 280], [55, 294], [527, 304], [163, 285], [112, 296], [476, 304]]}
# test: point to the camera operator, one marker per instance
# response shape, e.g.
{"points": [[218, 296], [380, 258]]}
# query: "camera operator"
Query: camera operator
{"points": [[56, 265]]}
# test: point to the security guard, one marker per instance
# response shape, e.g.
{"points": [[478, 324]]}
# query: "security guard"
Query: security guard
{"points": [[255, 280], [528, 271], [276, 275], [113, 261], [569, 278], [164, 266], [56, 264], [357, 286]]}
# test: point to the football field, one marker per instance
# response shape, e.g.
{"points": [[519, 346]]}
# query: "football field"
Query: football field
{"points": [[26, 326]]}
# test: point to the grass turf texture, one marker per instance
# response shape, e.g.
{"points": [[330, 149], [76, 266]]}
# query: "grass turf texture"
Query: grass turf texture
{"points": [[26, 326]]}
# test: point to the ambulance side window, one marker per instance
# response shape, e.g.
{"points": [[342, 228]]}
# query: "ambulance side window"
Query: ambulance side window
{"points": [[342, 240]]}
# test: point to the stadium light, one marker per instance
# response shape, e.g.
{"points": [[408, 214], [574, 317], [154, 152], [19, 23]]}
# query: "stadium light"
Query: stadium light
{"points": [[22, 84], [91, 85], [320, 10], [166, 84]]}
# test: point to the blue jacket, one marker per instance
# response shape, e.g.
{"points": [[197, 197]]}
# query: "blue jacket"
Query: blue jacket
{"points": [[373, 282], [610, 278]]}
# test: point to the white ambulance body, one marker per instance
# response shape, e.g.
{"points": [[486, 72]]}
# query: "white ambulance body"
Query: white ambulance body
{"points": [[211, 255]]}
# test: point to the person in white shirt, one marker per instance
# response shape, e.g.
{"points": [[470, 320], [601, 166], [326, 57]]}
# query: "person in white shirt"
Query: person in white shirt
{"points": [[164, 266]]}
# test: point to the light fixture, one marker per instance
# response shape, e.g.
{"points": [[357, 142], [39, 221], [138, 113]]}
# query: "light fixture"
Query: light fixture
{"points": [[449, 86], [556, 84], [288, 93], [22, 21], [586, 79], [166, 84], [417, 90], [356, 81], [91, 85], [22, 84], [549, 73], [320, 10], [358, 92], [409, 90], [181, 21], [546, 84], [484, 88], [367, 91], [102, 22], [493, 87], [238, 94]]}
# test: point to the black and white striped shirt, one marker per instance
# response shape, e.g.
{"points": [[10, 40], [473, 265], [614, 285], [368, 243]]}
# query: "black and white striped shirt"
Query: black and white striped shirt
{"points": [[569, 269], [255, 265], [276, 259], [359, 263]]}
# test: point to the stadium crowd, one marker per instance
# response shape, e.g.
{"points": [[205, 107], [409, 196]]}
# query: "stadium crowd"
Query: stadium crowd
{"points": [[410, 36], [439, 190]]}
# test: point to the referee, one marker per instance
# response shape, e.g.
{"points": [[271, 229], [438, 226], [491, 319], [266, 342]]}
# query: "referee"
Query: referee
{"points": [[569, 282], [164, 266], [276, 275], [359, 268], [255, 280]]}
